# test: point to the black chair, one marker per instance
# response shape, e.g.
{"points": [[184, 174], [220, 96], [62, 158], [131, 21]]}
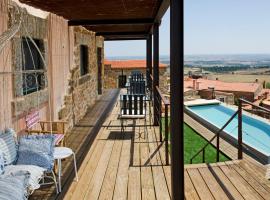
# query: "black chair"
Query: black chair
{"points": [[136, 87], [132, 107]]}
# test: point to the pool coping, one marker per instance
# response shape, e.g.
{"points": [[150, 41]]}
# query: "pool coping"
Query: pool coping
{"points": [[259, 156]]}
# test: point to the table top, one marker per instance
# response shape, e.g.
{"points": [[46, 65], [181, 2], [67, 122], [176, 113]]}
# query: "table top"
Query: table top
{"points": [[62, 152]]}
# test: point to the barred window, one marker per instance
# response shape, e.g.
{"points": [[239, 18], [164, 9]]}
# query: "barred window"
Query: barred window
{"points": [[32, 66]]}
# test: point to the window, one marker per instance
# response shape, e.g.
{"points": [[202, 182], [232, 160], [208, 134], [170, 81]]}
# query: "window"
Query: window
{"points": [[32, 66], [84, 59], [222, 99]]}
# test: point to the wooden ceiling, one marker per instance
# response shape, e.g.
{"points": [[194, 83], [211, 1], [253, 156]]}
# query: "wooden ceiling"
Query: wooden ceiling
{"points": [[113, 19]]}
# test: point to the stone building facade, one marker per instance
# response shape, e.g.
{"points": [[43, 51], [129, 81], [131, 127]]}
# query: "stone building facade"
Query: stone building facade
{"points": [[83, 89], [114, 69], [61, 91]]}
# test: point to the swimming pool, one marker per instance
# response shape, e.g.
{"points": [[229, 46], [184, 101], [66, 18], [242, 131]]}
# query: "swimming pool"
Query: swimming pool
{"points": [[256, 131]]}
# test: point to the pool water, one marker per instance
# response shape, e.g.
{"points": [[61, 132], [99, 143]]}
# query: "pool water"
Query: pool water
{"points": [[256, 133]]}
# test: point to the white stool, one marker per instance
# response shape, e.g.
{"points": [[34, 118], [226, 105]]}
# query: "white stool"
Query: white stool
{"points": [[62, 153]]}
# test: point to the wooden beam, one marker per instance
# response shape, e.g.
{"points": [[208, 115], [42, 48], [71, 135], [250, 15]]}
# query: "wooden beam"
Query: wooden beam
{"points": [[156, 73], [128, 38], [86, 22], [177, 91], [133, 34], [162, 10], [149, 56]]}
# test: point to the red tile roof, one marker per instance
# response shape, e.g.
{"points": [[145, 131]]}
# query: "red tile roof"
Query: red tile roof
{"points": [[129, 64], [222, 86]]}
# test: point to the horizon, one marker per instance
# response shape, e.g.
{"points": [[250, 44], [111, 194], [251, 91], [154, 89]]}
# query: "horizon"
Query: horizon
{"points": [[211, 28]]}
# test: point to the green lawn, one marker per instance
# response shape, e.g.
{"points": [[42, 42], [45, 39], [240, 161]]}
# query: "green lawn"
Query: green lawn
{"points": [[193, 142]]}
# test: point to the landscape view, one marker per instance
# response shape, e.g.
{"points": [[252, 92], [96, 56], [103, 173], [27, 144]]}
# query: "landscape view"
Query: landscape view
{"points": [[134, 100]]}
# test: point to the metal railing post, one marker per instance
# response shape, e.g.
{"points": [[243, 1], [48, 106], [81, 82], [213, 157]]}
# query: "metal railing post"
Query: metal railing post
{"points": [[217, 146], [166, 134], [160, 118], [203, 157], [240, 132]]}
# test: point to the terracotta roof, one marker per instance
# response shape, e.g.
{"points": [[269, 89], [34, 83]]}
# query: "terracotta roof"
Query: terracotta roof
{"points": [[222, 86], [129, 64]]}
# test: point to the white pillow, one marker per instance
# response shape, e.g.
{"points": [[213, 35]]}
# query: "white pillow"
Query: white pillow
{"points": [[36, 173]]}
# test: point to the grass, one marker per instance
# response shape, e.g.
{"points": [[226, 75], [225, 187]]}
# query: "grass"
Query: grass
{"points": [[193, 142]]}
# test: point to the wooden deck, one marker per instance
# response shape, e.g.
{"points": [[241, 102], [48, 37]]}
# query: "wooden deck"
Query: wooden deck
{"points": [[126, 166]]}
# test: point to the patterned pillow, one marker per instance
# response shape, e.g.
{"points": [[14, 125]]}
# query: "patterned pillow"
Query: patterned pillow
{"points": [[36, 150], [2, 162], [8, 146], [14, 186]]}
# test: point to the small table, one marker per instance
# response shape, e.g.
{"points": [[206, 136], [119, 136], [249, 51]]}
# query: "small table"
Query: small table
{"points": [[62, 153]]}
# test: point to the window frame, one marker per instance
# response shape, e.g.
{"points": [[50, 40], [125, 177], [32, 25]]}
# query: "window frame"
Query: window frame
{"points": [[32, 72], [84, 60]]}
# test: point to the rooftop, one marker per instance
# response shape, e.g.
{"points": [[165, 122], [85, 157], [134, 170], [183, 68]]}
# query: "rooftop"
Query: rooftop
{"points": [[222, 86], [129, 64]]}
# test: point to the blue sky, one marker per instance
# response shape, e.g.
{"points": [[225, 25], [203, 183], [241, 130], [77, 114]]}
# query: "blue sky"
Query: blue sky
{"points": [[212, 27]]}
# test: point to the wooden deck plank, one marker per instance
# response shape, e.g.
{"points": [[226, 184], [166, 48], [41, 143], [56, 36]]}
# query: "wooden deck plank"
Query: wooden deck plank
{"points": [[199, 184], [252, 181], [127, 167], [161, 152], [212, 183], [227, 185], [87, 173], [87, 168], [190, 191], [107, 189], [160, 184], [97, 179], [121, 185], [147, 185], [243, 187], [134, 174]]}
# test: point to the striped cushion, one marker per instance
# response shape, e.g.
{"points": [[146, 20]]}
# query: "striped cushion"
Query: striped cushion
{"points": [[58, 139], [14, 186], [2, 162], [32, 119], [8, 146]]}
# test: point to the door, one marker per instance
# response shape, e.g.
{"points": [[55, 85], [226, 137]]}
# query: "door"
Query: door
{"points": [[99, 63]]}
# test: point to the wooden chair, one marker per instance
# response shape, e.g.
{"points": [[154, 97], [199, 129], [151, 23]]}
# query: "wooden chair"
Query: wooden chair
{"points": [[132, 107], [46, 127]]}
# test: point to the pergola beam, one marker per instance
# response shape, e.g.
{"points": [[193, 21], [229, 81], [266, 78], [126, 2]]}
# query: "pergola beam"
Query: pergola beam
{"points": [[133, 34], [162, 10], [127, 38], [85, 22]]}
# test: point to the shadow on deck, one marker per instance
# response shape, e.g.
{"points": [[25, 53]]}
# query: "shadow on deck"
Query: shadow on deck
{"points": [[131, 165]]}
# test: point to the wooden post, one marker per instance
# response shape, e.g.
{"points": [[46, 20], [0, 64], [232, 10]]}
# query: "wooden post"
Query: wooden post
{"points": [[176, 88], [149, 60], [240, 132], [156, 72], [160, 118]]}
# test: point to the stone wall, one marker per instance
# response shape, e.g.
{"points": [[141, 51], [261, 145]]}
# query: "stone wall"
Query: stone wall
{"points": [[66, 95], [82, 92], [37, 29], [111, 76], [222, 96]]}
